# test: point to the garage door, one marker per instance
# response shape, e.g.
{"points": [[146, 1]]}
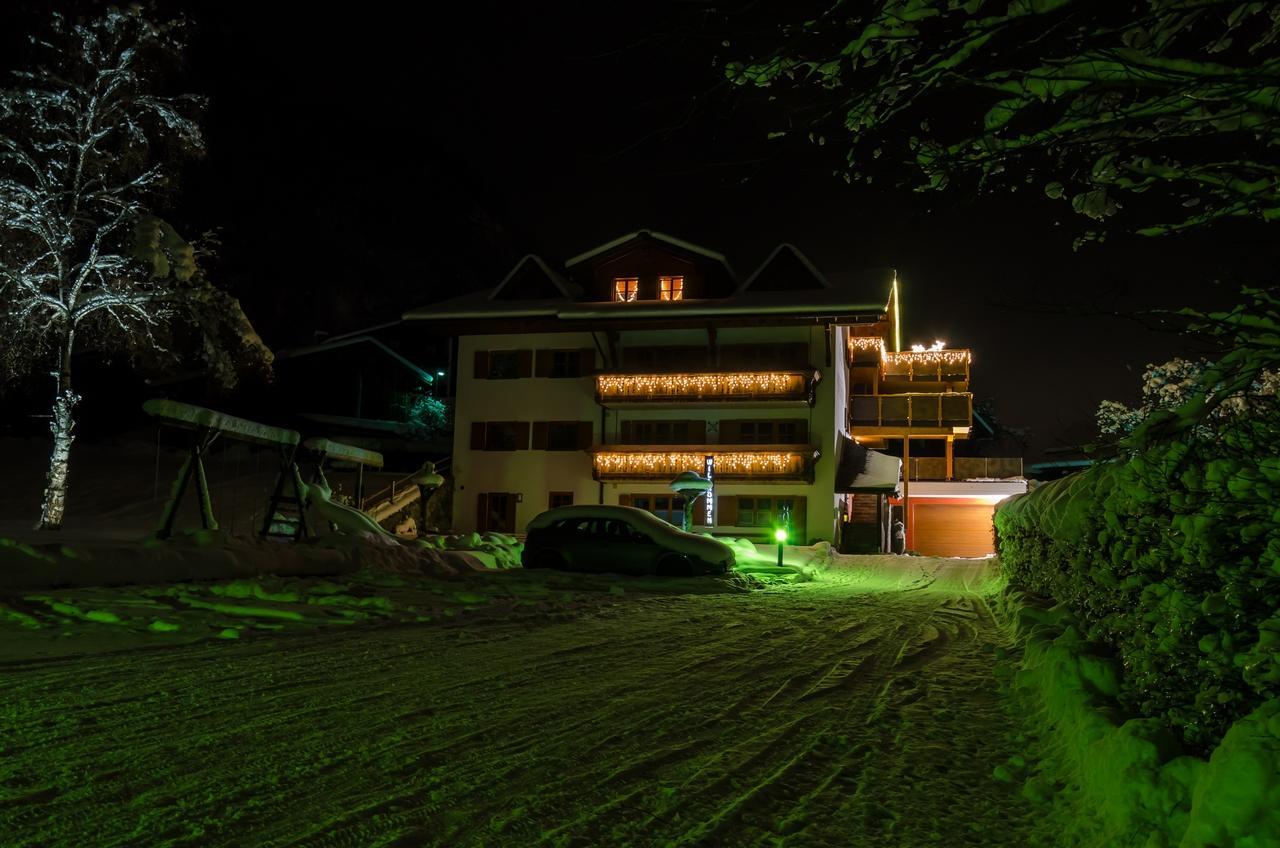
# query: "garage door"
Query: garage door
{"points": [[959, 530]]}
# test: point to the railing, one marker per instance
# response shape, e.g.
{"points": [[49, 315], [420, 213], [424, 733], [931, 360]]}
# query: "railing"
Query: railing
{"points": [[966, 467], [948, 409], [729, 462], [705, 387], [388, 493]]}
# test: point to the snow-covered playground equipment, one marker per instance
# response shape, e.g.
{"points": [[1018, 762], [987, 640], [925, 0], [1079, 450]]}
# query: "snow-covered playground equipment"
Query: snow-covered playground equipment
{"points": [[289, 495]]}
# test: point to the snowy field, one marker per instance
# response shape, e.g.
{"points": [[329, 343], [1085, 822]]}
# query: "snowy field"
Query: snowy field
{"points": [[865, 708]]}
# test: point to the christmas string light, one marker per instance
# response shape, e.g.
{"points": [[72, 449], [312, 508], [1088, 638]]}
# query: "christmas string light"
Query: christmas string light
{"points": [[740, 464], [930, 357], [745, 384]]}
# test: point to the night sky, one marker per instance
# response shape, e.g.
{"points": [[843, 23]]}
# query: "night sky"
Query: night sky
{"points": [[373, 160]]}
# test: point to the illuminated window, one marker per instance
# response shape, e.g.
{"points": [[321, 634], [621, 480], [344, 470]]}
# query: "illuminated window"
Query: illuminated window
{"points": [[671, 288], [625, 288]]}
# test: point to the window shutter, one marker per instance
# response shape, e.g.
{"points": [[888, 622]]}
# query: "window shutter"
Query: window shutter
{"points": [[730, 433], [726, 510], [539, 435], [525, 366], [522, 434], [542, 363], [585, 432], [624, 500], [477, 435], [798, 520], [482, 512], [802, 432], [587, 361], [482, 365], [628, 432], [697, 432]]}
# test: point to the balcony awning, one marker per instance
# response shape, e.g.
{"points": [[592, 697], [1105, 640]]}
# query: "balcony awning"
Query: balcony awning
{"points": [[863, 471]]}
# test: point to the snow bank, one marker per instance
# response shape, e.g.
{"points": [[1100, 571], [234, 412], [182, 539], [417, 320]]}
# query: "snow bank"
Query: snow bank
{"points": [[1120, 781]]}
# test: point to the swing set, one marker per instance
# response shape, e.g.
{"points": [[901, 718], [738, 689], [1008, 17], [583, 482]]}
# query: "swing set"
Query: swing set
{"points": [[289, 492]]}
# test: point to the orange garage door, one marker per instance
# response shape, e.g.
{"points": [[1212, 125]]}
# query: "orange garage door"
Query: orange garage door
{"points": [[959, 530]]}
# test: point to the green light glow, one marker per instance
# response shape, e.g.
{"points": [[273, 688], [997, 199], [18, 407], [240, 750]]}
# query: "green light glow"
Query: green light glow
{"points": [[780, 534]]}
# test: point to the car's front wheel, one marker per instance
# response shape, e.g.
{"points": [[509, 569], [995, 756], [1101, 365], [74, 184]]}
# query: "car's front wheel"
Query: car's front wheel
{"points": [[674, 565]]}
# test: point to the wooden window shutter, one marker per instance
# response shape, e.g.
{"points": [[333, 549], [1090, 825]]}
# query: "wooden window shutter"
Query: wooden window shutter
{"points": [[542, 363], [539, 435], [587, 361], [802, 432], [482, 512], [697, 432], [726, 510], [585, 431], [628, 432], [729, 433], [624, 500], [798, 520], [525, 366], [482, 365], [522, 434], [477, 435]]}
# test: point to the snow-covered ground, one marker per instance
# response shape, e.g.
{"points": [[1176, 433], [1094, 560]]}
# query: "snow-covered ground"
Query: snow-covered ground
{"points": [[865, 707]]}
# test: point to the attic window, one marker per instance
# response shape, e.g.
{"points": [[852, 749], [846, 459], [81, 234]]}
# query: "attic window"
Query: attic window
{"points": [[671, 288], [625, 288]]}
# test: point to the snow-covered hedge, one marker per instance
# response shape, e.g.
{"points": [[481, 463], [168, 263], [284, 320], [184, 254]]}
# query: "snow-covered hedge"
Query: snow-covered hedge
{"points": [[1172, 558]]}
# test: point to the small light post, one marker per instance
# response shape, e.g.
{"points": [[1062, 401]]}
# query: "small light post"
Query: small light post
{"points": [[781, 535]]}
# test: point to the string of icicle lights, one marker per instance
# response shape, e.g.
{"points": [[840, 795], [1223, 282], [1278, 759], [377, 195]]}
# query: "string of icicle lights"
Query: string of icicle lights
{"points": [[699, 385], [861, 344], [727, 464]]}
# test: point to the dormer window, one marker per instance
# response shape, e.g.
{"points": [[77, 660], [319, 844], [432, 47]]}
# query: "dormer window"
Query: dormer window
{"points": [[671, 288], [626, 288]]}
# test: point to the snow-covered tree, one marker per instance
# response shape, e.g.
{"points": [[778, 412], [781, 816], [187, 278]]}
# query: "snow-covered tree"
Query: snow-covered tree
{"points": [[87, 146], [1171, 385]]}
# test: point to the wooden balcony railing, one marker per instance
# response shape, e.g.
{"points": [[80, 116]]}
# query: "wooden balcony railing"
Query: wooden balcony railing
{"points": [[706, 387], [966, 467], [914, 409], [730, 462]]}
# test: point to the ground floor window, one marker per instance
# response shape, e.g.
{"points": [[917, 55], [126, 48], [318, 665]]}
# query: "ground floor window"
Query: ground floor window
{"points": [[496, 512], [757, 511], [560, 499], [669, 508]]}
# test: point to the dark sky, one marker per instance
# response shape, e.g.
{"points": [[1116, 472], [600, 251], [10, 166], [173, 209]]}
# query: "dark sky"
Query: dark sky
{"points": [[372, 159]]}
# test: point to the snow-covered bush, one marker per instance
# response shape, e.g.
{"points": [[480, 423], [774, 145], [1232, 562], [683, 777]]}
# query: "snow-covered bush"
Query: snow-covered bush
{"points": [[1172, 557]]}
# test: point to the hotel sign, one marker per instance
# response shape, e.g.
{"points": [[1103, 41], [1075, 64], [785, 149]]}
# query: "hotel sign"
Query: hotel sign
{"points": [[708, 470]]}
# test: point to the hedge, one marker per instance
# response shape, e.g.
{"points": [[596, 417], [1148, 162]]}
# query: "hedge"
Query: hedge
{"points": [[1171, 557]]}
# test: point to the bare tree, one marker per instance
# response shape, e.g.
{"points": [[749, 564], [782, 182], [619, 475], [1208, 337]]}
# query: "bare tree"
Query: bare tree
{"points": [[86, 146]]}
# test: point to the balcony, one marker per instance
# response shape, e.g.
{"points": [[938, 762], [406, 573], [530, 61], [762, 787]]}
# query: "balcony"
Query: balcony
{"points": [[731, 463], [940, 412], [966, 468], [707, 387], [912, 366]]}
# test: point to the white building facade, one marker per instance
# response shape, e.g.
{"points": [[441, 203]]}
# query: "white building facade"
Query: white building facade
{"points": [[646, 357]]}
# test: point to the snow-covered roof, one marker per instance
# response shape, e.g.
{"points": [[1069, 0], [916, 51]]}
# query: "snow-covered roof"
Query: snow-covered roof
{"points": [[859, 470], [197, 417], [337, 343], [656, 236], [555, 278], [790, 249], [832, 302]]}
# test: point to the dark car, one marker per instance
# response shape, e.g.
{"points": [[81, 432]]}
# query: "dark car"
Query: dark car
{"points": [[619, 539]]}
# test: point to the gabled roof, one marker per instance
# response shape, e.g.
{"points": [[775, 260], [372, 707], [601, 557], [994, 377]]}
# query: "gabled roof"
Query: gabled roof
{"points": [[783, 254], [560, 284], [656, 236], [331, 345]]}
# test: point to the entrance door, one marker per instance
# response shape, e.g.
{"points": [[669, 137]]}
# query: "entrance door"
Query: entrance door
{"points": [[952, 530], [496, 512]]}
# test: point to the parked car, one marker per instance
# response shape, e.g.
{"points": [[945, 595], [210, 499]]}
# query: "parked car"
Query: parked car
{"points": [[620, 539]]}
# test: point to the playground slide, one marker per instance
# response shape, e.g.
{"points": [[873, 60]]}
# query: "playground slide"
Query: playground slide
{"points": [[345, 518]]}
